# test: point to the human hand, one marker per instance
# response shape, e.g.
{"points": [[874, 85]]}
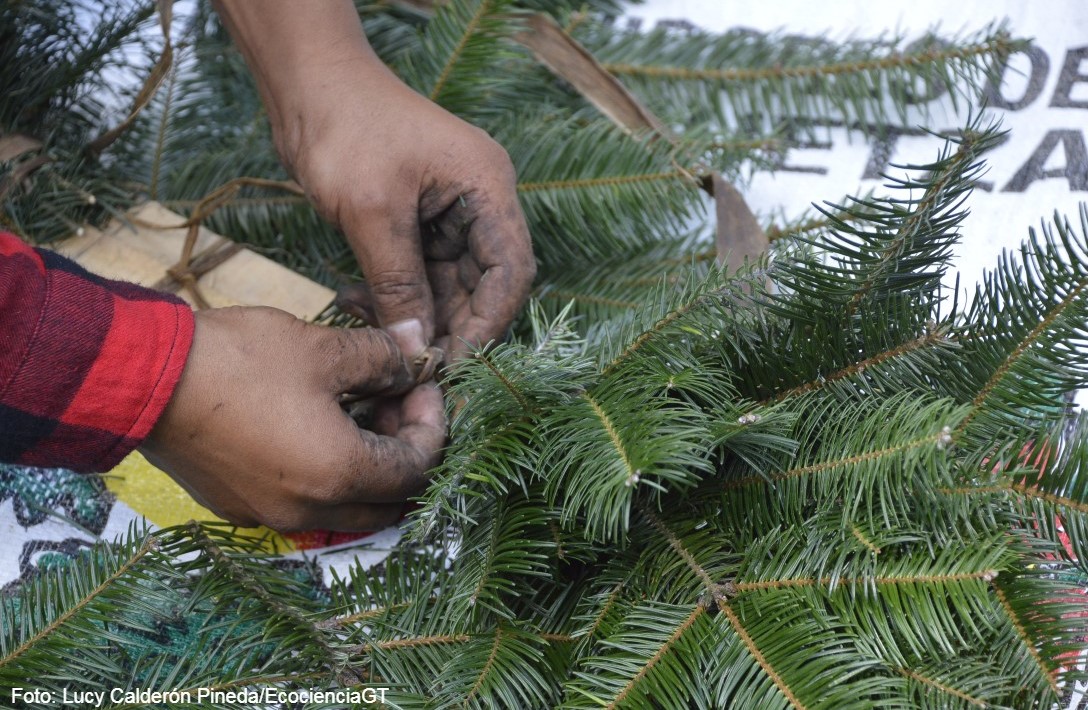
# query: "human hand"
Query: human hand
{"points": [[255, 432], [427, 202]]}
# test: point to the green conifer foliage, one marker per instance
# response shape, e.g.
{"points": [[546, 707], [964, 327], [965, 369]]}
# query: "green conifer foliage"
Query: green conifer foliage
{"points": [[821, 480]]}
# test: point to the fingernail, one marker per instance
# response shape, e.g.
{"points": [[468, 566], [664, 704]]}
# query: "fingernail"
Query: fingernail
{"points": [[408, 335]]}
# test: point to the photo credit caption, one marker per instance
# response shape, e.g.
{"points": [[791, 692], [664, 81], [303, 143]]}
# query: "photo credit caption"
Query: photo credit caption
{"points": [[258, 697]]}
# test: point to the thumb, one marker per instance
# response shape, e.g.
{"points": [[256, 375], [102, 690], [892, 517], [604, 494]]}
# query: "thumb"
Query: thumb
{"points": [[390, 253], [368, 362]]}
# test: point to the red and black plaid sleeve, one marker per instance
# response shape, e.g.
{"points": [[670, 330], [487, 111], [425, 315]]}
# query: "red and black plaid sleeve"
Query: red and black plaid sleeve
{"points": [[87, 365]]}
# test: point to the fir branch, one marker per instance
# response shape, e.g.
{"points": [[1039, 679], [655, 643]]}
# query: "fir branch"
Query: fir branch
{"points": [[499, 667], [160, 136], [712, 587], [865, 465], [691, 299], [1000, 45], [511, 544], [613, 435], [244, 578], [458, 49], [558, 638], [697, 612], [1034, 493], [610, 601], [610, 181], [657, 327], [1021, 631], [149, 544], [457, 57], [852, 460], [348, 619], [973, 490], [412, 642], [864, 540], [932, 337], [1041, 328], [555, 336], [776, 232], [757, 654], [597, 179], [560, 553], [622, 282], [830, 582], [1018, 369], [741, 78], [486, 669], [890, 261], [1047, 481], [489, 557], [949, 173], [484, 357], [944, 688], [604, 447]]}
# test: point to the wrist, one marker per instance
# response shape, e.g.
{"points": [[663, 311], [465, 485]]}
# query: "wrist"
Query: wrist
{"points": [[300, 54]]}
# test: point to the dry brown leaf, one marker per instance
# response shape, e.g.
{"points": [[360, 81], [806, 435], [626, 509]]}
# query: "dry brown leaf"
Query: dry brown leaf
{"points": [[572, 62], [739, 235], [151, 84], [14, 145]]}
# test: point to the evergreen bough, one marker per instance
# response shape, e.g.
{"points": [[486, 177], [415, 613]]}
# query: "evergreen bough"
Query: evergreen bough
{"points": [[817, 479]]}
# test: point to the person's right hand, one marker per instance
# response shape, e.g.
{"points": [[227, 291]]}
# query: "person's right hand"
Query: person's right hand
{"points": [[427, 202], [255, 432]]}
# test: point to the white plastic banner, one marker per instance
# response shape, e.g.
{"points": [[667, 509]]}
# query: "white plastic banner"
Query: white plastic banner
{"points": [[1043, 101]]}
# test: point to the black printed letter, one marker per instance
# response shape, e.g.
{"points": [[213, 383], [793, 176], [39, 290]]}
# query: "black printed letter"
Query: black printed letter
{"points": [[1071, 74], [1076, 162]]}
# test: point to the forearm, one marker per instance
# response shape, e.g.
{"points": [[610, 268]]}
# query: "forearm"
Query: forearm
{"points": [[299, 50]]}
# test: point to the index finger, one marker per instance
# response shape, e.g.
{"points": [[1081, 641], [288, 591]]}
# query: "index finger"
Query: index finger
{"points": [[387, 246], [500, 244]]}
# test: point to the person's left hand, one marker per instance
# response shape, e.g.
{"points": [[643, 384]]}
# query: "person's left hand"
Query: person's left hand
{"points": [[427, 202]]}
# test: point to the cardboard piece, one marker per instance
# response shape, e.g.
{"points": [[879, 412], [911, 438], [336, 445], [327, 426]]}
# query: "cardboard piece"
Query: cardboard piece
{"points": [[143, 250]]}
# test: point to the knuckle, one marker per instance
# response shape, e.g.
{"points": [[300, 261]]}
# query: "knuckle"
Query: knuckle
{"points": [[397, 287], [369, 200], [492, 154], [527, 269], [503, 165], [380, 344]]}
